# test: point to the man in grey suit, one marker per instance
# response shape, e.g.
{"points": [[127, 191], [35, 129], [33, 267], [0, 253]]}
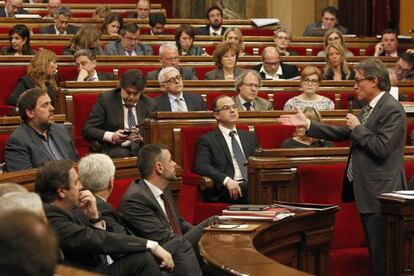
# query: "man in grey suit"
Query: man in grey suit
{"points": [[11, 8], [62, 17], [329, 20], [148, 207], [129, 44], [174, 99], [247, 86], [169, 57], [115, 118], [222, 155], [38, 139], [375, 162], [86, 62]]}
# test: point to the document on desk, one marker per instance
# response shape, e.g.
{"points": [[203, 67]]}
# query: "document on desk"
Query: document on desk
{"points": [[232, 227]]}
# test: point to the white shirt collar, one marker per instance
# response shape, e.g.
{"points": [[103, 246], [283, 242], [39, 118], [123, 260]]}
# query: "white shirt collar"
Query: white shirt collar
{"points": [[276, 76], [57, 31], [173, 97], [123, 103], [226, 131], [375, 100], [157, 192], [211, 30], [242, 101]]}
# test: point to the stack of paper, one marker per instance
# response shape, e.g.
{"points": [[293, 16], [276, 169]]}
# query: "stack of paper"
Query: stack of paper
{"points": [[256, 213]]}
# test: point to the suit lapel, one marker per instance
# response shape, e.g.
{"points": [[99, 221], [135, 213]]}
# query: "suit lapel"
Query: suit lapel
{"points": [[165, 102], [118, 110], [32, 134], [244, 142], [188, 102], [121, 50], [58, 141], [222, 142], [147, 192]]}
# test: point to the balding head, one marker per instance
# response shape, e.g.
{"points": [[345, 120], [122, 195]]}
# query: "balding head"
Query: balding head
{"points": [[271, 60]]}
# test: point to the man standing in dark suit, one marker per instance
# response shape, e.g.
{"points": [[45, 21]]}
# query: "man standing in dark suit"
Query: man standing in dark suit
{"points": [[272, 68], [115, 117], [175, 99], [38, 139], [169, 57], [86, 62], [222, 155], [214, 16], [375, 162], [148, 207], [81, 230], [62, 17], [12, 7], [247, 86], [329, 20]]}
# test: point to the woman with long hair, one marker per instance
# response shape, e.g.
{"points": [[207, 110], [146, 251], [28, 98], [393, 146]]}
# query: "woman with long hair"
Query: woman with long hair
{"points": [[336, 67], [184, 39], [19, 37], [233, 34], [112, 24], [334, 36], [40, 73], [86, 38]]}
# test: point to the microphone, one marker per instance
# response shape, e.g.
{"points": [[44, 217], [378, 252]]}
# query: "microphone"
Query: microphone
{"points": [[350, 103]]}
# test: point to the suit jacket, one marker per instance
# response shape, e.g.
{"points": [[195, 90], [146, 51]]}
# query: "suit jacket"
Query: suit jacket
{"points": [[115, 48], [85, 246], [194, 102], [111, 217], [24, 84], [108, 115], [309, 28], [10, 51], [187, 73], [72, 29], [377, 153], [259, 104], [218, 74], [19, 11], [105, 76], [205, 30], [213, 159], [194, 51], [25, 150], [289, 71], [144, 216]]}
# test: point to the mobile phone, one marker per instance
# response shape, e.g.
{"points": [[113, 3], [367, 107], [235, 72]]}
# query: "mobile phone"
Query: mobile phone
{"points": [[126, 132]]}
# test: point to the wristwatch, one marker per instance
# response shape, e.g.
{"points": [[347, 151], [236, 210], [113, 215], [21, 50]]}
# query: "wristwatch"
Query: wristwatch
{"points": [[96, 220]]}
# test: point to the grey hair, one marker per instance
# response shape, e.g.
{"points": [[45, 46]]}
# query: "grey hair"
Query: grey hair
{"points": [[162, 74], [25, 201], [6, 188], [95, 171], [240, 79], [282, 30], [374, 68], [167, 45], [63, 10]]}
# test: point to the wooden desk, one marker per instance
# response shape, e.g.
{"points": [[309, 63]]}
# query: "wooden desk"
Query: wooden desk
{"points": [[282, 248]]}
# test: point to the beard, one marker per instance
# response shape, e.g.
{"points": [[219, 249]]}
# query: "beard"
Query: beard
{"points": [[216, 24]]}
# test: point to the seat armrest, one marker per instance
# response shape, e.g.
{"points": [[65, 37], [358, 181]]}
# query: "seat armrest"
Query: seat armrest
{"points": [[204, 182]]}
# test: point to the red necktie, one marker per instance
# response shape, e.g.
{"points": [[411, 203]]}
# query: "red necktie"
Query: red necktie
{"points": [[173, 223]]}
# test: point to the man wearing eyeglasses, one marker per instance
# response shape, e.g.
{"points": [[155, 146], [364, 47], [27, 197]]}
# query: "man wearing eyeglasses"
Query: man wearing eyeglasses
{"points": [[12, 7], [169, 57], [222, 155], [115, 118], [403, 68], [375, 162], [272, 68], [175, 99], [129, 44], [247, 86]]}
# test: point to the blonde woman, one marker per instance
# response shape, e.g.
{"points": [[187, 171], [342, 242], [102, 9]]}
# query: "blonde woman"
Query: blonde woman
{"points": [[334, 36], [234, 34], [40, 73], [336, 67], [86, 38]]}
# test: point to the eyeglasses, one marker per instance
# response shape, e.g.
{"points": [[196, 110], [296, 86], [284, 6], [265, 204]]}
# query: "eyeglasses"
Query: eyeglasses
{"points": [[171, 59], [310, 81], [173, 79], [357, 81], [227, 107], [251, 85], [283, 37]]}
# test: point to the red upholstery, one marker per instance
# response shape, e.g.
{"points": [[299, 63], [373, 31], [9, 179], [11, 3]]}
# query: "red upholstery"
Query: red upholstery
{"points": [[280, 98], [323, 184], [202, 70], [409, 169], [120, 187], [3, 141], [190, 199], [344, 99], [410, 128], [211, 96], [143, 69], [67, 73], [272, 136], [257, 32], [83, 104], [301, 50], [58, 49], [9, 76]]}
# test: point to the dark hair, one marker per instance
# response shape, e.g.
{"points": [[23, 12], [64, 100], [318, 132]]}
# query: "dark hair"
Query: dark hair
{"points": [[28, 100], [331, 10], [111, 17], [50, 177], [408, 58], [213, 8], [28, 245], [23, 32], [389, 31], [374, 68], [147, 157], [184, 28], [85, 52], [215, 102], [133, 78], [155, 18], [129, 28], [221, 49]]}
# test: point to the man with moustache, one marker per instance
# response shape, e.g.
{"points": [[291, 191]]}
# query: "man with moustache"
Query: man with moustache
{"points": [[215, 27], [82, 232], [375, 162], [38, 139], [222, 155]]}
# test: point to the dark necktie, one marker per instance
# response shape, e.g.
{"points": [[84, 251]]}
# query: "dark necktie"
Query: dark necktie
{"points": [[171, 218], [131, 123], [238, 154], [215, 34], [248, 106], [365, 112]]}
